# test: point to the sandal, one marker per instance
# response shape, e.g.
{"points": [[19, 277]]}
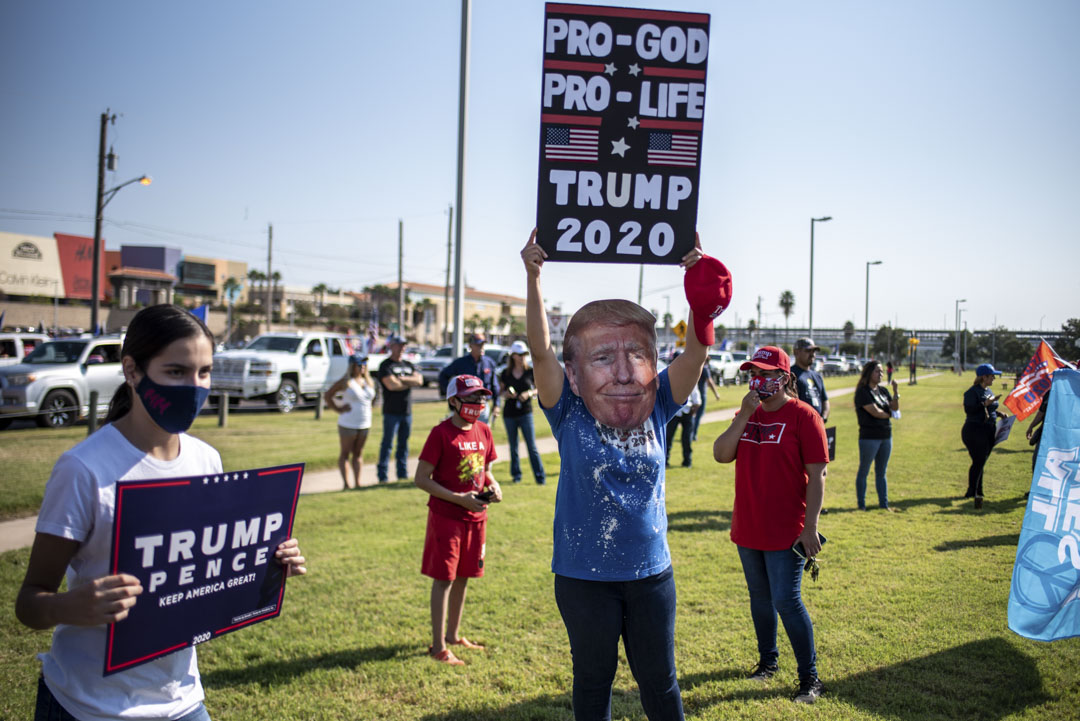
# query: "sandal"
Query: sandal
{"points": [[465, 643], [446, 656]]}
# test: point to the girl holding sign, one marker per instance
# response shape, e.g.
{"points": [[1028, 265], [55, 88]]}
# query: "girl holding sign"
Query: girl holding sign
{"points": [[166, 361]]}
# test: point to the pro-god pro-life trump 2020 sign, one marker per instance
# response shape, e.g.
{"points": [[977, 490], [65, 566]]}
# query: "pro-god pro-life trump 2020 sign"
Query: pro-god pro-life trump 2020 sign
{"points": [[203, 549], [622, 113]]}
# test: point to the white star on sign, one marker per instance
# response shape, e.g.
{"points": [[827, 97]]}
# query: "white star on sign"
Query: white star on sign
{"points": [[634, 70], [619, 147], [609, 69], [771, 436], [633, 123]]}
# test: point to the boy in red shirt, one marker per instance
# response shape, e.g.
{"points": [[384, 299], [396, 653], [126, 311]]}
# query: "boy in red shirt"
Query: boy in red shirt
{"points": [[455, 468]]}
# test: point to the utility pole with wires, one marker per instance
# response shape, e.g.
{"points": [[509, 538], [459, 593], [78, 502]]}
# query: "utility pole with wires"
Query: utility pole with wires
{"points": [[446, 290], [400, 278], [269, 276]]}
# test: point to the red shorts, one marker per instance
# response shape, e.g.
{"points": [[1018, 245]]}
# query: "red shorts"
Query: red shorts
{"points": [[452, 548]]}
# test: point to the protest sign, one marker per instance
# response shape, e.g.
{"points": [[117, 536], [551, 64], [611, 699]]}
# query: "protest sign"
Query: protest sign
{"points": [[622, 113], [203, 550], [1024, 398], [1004, 426], [1044, 602]]}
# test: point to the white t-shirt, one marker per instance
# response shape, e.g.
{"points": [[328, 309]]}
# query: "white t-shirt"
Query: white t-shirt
{"points": [[359, 397], [79, 505]]}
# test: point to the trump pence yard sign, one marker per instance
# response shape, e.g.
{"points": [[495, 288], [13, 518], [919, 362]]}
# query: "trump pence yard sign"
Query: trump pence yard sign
{"points": [[622, 113], [203, 549]]}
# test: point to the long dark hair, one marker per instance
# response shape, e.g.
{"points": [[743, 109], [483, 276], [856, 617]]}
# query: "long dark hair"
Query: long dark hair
{"points": [[151, 331], [867, 371]]}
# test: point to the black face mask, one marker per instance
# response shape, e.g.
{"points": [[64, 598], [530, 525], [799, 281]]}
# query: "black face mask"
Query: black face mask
{"points": [[173, 408]]}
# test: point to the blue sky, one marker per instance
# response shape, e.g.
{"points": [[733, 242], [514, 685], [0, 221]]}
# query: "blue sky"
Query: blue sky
{"points": [[941, 136]]}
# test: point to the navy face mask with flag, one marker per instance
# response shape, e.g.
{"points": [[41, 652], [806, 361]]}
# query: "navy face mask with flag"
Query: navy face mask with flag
{"points": [[172, 407]]}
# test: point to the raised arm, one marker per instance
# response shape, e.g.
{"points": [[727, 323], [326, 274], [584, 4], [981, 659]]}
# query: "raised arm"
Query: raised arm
{"points": [[685, 370], [547, 373]]}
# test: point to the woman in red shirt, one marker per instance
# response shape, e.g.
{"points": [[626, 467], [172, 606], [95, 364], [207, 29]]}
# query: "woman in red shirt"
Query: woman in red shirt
{"points": [[780, 452]]}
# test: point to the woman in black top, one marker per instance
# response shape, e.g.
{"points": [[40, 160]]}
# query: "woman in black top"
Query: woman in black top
{"points": [[980, 424], [518, 390], [874, 406]]}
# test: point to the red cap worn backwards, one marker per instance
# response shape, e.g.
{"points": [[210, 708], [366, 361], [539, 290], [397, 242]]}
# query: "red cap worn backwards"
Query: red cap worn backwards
{"points": [[708, 291], [768, 357]]}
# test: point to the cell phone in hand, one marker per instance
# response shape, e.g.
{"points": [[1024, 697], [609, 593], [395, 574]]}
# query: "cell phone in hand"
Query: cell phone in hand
{"points": [[486, 496], [797, 547]]}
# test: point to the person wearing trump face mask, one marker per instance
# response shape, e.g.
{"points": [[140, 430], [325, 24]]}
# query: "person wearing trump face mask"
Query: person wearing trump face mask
{"points": [[608, 411]]}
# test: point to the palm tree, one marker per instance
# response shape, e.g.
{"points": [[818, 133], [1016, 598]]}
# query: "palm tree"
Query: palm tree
{"points": [[320, 290], [787, 304], [231, 287]]}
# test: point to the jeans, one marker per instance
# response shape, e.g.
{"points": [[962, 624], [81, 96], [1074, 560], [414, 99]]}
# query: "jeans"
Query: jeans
{"points": [[979, 439], [687, 422], [399, 425], [49, 709], [774, 579], [525, 425], [596, 614], [877, 450]]}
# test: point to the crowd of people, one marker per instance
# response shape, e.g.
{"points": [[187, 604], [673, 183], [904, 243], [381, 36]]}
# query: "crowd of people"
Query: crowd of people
{"points": [[613, 417]]}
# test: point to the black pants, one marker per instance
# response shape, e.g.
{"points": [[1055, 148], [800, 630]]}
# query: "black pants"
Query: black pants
{"points": [[686, 420], [979, 440]]}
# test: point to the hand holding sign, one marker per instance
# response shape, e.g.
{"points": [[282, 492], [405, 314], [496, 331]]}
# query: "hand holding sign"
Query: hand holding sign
{"points": [[105, 600], [288, 555]]}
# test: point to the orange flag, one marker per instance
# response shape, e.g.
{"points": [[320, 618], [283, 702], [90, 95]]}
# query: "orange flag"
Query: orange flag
{"points": [[1026, 395]]}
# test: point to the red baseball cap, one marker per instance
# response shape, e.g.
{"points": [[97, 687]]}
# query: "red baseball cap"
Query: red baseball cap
{"points": [[465, 385], [768, 358], [708, 291]]}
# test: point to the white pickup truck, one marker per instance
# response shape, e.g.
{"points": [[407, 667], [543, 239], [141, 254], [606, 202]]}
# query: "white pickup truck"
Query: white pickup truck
{"points": [[281, 368], [724, 368]]}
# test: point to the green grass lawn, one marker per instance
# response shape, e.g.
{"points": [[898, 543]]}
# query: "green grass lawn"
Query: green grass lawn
{"points": [[909, 611]]}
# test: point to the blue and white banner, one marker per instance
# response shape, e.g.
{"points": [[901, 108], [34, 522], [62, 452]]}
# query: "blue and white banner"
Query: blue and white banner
{"points": [[1044, 603], [203, 549]]}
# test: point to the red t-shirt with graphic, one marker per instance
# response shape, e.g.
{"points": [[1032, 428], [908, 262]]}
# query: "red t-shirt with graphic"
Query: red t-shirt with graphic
{"points": [[460, 458], [770, 475]]}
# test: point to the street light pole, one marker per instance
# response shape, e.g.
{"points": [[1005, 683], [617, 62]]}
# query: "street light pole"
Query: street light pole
{"points": [[812, 221], [99, 208], [103, 198], [866, 310], [956, 343]]}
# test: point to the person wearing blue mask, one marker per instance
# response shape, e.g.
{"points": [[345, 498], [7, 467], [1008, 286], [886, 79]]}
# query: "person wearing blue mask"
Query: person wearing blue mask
{"points": [[980, 424], [166, 359]]}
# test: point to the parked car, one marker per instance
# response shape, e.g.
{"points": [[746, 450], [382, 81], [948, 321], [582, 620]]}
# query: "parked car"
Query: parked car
{"points": [[835, 365], [430, 366], [17, 345], [53, 383], [723, 367], [281, 368]]}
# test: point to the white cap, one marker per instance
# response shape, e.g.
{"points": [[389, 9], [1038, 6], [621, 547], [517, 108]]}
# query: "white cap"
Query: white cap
{"points": [[519, 347]]}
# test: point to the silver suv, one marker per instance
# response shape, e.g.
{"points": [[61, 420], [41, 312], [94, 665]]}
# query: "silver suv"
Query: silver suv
{"points": [[54, 382]]}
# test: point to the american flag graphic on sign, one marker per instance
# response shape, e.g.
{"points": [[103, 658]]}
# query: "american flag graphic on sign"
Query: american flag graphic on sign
{"points": [[578, 144], [672, 149]]}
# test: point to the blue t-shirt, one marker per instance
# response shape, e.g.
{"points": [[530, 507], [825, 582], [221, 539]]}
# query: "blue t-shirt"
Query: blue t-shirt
{"points": [[610, 518]]}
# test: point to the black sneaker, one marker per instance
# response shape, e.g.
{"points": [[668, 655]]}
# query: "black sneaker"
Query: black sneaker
{"points": [[809, 691], [763, 672]]}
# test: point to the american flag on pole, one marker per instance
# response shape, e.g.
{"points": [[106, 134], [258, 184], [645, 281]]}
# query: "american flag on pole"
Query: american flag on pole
{"points": [[577, 144], [672, 149]]}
